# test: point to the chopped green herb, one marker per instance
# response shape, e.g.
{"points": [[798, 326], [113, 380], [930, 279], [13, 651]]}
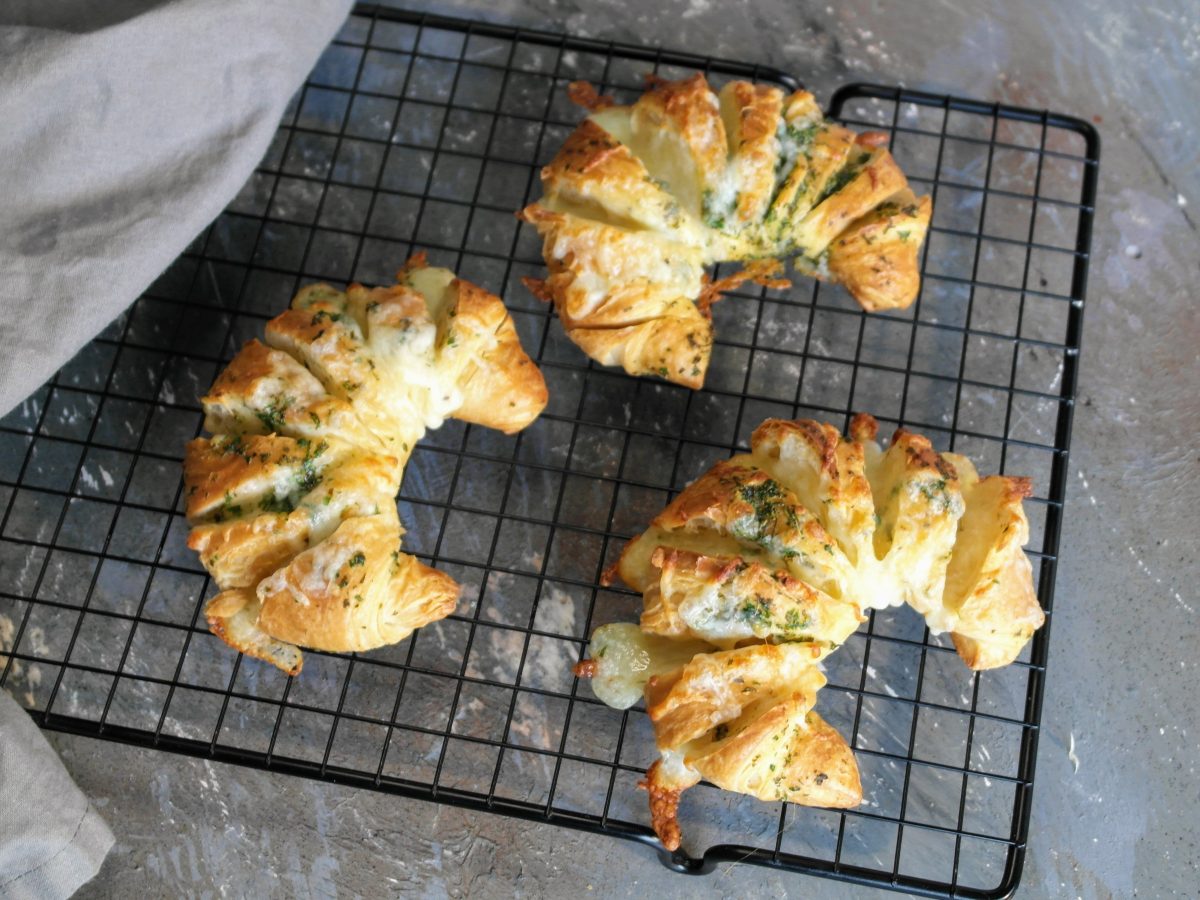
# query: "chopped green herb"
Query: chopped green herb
{"points": [[803, 135], [756, 612], [840, 180], [273, 504], [794, 621], [937, 493], [321, 315], [272, 416]]}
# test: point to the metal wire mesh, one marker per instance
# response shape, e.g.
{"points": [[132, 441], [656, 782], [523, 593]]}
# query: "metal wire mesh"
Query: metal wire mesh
{"points": [[426, 133]]}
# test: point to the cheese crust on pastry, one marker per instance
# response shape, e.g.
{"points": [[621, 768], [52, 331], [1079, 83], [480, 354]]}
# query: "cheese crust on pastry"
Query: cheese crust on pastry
{"points": [[292, 500], [764, 565], [641, 198]]}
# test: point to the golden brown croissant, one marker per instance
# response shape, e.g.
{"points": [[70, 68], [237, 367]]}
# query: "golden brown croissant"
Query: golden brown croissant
{"points": [[641, 198], [763, 565], [292, 501]]}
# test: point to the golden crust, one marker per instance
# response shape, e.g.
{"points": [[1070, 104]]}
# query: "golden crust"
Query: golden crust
{"points": [[726, 600], [233, 617], [355, 590], [788, 753], [292, 502], [827, 473], [751, 113], [876, 256], [743, 720], [878, 179], [990, 582], [676, 348], [241, 550], [596, 175], [240, 553], [502, 387], [826, 154], [641, 198], [664, 807], [753, 512], [716, 688], [623, 296], [606, 276], [689, 109], [228, 475]]}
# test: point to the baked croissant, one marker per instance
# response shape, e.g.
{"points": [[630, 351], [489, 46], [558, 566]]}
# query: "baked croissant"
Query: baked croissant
{"points": [[762, 567], [641, 198], [292, 501]]}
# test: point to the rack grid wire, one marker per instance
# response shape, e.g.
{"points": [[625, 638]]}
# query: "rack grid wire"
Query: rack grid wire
{"points": [[418, 132]]}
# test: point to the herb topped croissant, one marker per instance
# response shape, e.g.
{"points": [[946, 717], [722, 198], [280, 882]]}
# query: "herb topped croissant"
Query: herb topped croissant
{"points": [[641, 198], [292, 501], [762, 567]]}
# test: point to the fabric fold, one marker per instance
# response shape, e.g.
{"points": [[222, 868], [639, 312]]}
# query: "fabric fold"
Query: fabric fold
{"points": [[52, 839], [123, 140]]}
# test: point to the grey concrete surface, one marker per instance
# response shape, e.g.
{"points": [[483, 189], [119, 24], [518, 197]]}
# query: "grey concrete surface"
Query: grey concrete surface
{"points": [[1123, 673]]}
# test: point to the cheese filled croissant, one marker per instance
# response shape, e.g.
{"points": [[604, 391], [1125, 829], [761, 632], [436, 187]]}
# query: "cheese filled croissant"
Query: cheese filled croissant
{"points": [[641, 198], [762, 567], [292, 501]]}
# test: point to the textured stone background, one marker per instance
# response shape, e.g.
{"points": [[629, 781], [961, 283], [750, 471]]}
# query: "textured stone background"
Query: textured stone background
{"points": [[1123, 673]]}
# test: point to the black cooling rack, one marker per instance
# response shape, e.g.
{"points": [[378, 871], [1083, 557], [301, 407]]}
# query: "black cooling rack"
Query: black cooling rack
{"points": [[417, 132]]}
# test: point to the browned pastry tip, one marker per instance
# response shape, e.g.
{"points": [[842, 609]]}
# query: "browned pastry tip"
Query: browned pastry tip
{"points": [[539, 289], [872, 139], [664, 808], [609, 575], [760, 271], [584, 94], [864, 427], [586, 668], [419, 260]]}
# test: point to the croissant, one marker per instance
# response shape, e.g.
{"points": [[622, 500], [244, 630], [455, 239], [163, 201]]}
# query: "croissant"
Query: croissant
{"points": [[641, 198], [763, 566], [292, 501]]}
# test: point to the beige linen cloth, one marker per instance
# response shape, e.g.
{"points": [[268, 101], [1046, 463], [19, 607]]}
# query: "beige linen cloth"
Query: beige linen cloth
{"points": [[127, 126]]}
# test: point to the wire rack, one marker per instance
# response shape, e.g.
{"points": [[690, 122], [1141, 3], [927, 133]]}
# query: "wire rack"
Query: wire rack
{"points": [[418, 132]]}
